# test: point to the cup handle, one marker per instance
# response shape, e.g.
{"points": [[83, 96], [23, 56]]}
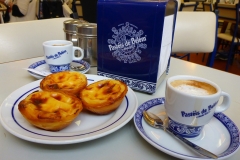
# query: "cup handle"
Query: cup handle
{"points": [[225, 103], [82, 53]]}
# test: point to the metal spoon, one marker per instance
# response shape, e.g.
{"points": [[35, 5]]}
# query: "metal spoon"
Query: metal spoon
{"points": [[156, 122], [78, 68]]}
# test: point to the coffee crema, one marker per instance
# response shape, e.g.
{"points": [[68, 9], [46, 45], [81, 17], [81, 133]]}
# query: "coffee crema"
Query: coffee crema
{"points": [[58, 45], [194, 87]]}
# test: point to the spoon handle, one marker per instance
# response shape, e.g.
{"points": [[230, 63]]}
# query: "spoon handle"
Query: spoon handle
{"points": [[193, 146]]}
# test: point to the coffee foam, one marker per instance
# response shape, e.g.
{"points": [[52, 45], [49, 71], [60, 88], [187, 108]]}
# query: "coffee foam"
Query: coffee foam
{"points": [[58, 45], [192, 90], [194, 87]]}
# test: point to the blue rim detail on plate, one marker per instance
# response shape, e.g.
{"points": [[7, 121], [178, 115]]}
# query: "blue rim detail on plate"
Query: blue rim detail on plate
{"points": [[227, 122], [35, 65], [42, 62], [13, 122], [37, 88], [28, 92]]}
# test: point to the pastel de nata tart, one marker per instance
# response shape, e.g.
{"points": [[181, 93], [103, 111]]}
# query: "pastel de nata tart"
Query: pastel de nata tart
{"points": [[50, 111], [66, 81], [103, 97]]}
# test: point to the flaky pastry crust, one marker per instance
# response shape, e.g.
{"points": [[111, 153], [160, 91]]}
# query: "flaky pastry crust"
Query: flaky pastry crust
{"points": [[51, 111], [104, 96], [66, 81]]}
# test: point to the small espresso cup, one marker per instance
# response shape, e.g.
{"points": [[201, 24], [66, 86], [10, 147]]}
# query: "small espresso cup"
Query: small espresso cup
{"points": [[59, 54], [191, 102]]}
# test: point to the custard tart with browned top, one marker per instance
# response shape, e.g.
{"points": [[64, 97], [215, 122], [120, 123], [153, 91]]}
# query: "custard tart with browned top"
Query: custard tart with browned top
{"points": [[50, 111], [66, 81], [104, 96]]}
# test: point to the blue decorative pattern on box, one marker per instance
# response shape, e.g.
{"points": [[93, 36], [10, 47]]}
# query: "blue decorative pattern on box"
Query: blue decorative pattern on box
{"points": [[132, 83]]}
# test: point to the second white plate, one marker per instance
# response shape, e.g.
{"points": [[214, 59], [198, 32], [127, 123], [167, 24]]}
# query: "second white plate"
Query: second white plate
{"points": [[86, 126]]}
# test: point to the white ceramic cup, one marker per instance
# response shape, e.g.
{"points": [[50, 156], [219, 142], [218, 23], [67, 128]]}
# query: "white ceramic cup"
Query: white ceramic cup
{"points": [[59, 54], [189, 107]]}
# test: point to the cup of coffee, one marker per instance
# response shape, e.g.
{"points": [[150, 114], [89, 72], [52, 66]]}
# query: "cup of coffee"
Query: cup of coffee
{"points": [[191, 102], [59, 54]]}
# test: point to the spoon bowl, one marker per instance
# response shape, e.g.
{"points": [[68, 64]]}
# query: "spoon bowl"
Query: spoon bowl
{"points": [[78, 68], [154, 121]]}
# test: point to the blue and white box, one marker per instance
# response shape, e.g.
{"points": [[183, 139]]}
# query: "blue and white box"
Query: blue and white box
{"points": [[135, 41]]}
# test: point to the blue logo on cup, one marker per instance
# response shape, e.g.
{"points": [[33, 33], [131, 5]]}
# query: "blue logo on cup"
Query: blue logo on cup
{"points": [[57, 55], [198, 114]]}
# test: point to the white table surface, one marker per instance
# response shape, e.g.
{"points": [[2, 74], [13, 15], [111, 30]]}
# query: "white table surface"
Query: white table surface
{"points": [[125, 143]]}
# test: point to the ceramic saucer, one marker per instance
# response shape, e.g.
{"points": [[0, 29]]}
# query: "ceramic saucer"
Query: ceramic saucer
{"points": [[42, 66], [220, 136]]}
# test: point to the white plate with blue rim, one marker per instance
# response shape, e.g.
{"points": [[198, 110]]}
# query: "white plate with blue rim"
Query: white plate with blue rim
{"points": [[43, 67], [85, 127], [220, 136]]}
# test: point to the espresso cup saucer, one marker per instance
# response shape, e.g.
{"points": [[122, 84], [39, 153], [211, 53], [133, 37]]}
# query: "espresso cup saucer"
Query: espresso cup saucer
{"points": [[42, 66], [220, 136]]}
